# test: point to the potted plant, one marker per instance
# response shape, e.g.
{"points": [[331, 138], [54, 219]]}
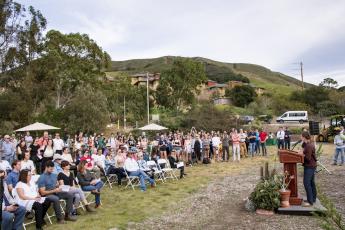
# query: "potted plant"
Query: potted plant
{"points": [[284, 181]]}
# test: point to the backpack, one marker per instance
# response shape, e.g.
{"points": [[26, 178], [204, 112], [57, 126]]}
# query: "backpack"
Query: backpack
{"points": [[206, 161]]}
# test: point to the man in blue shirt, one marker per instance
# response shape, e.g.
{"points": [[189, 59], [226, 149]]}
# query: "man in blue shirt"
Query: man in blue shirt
{"points": [[13, 176], [48, 187], [8, 149], [257, 142]]}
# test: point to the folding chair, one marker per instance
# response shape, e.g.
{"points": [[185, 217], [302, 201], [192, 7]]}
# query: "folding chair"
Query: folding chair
{"points": [[168, 172], [131, 180], [32, 221], [110, 179], [156, 171]]}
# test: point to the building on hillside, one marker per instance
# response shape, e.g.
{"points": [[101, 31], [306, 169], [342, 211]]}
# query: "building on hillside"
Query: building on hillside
{"points": [[218, 89], [233, 84], [140, 79], [258, 90], [222, 101]]}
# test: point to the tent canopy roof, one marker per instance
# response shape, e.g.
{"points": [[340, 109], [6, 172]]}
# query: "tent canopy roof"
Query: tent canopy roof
{"points": [[36, 127]]}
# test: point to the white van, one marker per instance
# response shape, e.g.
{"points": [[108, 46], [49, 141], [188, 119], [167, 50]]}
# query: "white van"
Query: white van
{"points": [[300, 116]]}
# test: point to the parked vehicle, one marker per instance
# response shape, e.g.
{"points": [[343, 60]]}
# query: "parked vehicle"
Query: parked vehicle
{"points": [[293, 116], [265, 118], [247, 119], [334, 121]]}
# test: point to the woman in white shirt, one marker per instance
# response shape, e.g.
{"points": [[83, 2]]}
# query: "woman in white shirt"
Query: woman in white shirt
{"points": [[26, 194], [48, 152], [27, 163]]}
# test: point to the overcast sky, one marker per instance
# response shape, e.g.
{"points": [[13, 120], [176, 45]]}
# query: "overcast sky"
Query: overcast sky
{"points": [[276, 34]]}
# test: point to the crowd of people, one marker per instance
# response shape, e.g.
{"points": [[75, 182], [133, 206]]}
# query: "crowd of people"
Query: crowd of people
{"points": [[40, 171]]}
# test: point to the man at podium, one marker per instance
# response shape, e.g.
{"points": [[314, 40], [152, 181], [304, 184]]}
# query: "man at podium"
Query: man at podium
{"points": [[309, 169]]}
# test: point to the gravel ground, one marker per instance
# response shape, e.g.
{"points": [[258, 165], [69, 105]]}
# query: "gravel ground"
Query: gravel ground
{"points": [[221, 206]]}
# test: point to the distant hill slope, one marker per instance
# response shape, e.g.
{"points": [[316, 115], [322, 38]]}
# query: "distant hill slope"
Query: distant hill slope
{"points": [[274, 82]]}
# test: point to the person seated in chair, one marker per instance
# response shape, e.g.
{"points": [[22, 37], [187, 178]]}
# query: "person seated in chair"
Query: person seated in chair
{"points": [[26, 194], [90, 166], [132, 167], [12, 214], [89, 182], [173, 163], [49, 188]]}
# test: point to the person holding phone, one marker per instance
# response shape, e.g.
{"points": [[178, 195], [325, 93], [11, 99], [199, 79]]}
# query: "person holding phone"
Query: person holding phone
{"points": [[12, 214]]}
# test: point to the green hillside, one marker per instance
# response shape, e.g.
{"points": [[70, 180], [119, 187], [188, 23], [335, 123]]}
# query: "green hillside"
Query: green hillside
{"points": [[274, 82]]}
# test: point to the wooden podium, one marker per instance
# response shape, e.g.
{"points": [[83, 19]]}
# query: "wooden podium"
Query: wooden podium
{"points": [[290, 160]]}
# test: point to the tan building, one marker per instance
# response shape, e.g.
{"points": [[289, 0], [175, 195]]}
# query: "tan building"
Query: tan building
{"points": [[233, 84], [140, 79]]}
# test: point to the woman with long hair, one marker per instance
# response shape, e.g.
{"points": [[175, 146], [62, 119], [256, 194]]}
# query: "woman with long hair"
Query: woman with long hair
{"points": [[26, 194], [309, 169]]}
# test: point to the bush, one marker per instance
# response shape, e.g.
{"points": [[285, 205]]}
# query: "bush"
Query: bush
{"points": [[266, 195]]}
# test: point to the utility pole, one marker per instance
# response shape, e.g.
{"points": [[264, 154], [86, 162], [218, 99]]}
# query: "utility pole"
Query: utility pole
{"points": [[124, 112], [301, 65], [147, 98]]}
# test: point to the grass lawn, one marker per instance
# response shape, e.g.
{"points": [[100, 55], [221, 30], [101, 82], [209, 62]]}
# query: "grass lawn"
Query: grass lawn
{"points": [[121, 206]]}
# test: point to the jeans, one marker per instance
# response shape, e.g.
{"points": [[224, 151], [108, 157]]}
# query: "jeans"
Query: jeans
{"points": [[120, 173], [98, 187], [55, 199], [287, 144], [309, 184], [280, 144], [78, 195], [252, 148], [257, 146], [339, 151], [13, 220], [225, 151], [142, 177], [264, 149]]}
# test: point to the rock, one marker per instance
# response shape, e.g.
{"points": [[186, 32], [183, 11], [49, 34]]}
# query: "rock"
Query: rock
{"points": [[249, 206]]}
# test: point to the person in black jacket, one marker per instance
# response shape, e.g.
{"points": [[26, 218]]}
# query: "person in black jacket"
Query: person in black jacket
{"points": [[287, 138], [173, 161]]}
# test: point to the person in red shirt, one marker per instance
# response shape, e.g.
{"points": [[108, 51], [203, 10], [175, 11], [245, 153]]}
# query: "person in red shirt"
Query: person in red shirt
{"points": [[263, 138], [43, 141]]}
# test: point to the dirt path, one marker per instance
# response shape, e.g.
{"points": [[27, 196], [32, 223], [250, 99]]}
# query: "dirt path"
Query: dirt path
{"points": [[221, 206]]}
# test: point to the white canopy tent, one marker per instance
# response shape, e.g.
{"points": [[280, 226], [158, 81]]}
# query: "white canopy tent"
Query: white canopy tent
{"points": [[153, 127], [36, 127]]}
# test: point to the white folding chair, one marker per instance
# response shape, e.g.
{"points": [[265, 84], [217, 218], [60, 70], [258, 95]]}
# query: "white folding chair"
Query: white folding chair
{"points": [[110, 179], [131, 180], [30, 221], [156, 171], [168, 172]]}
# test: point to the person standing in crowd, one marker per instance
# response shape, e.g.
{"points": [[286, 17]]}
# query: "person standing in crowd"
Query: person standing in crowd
{"points": [[47, 152], [21, 148], [243, 147], [8, 150], [216, 144], [12, 215], [280, 138], [197, 147], [252, 141], [263, 138], [43, 141], [28, 139], [287, 138], [339, 148], [257, 142], [112, 141], [309, 169], [58, 144], [206, 146], [235, 145], [225, 146], [35, 155]]}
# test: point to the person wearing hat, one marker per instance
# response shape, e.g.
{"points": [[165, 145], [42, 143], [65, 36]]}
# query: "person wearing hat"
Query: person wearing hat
{"points": [[8, 150], [339, 147], [57, 158], [132, 167]]}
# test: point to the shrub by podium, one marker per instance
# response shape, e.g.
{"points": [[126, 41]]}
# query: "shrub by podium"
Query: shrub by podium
{"points": [[266, 195]]}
